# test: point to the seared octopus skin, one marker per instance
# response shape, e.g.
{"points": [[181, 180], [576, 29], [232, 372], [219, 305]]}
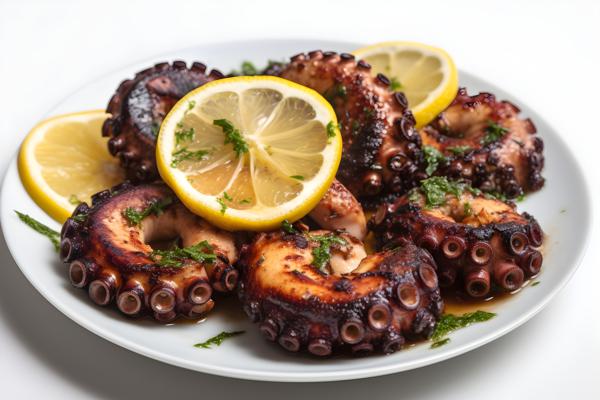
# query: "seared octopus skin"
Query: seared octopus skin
{"points": [[510, 165], [381, 153], [390, 297], [138, 108], [112, 257], [486, 246], [339, 210]]}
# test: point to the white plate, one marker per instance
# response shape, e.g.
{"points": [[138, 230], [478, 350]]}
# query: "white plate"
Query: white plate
{"points": [[562, 208]]}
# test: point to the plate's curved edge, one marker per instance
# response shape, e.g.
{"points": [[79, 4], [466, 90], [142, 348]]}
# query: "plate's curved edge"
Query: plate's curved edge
{"points": [[322, 376]]}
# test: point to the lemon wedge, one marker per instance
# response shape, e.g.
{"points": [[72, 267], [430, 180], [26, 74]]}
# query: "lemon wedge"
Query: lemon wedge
{"points": [[64, 160], [425, 74], [247, 153]]}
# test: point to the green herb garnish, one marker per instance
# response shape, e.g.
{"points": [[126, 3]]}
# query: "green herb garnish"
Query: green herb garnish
{"points": [[201, 252], [340, 90], [439, 343], [297, 177], [414, 196], [433, 158], [493, 132], [450, 322], [287, 227], [245, 201], [322, 254], [496, 196], [535, 283], [218, 339], [395, 84], [185, 154], [156, 207], [74, 200], [563, 210], [79, 217], [520, 197], [183, 135], [191, 105], [232, 136], [467, 209], [248, 68], [45, 230], [458, 150], [331, 129], [221, 201], [436, 188]]}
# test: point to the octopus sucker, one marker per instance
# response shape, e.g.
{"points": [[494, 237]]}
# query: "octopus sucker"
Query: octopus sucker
{"points": [[385, 299], [484, 141], [138, 108], [115, 250], [481, 245], [381, 154]]}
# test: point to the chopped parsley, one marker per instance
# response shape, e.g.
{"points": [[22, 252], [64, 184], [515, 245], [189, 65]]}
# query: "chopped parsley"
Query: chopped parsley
{"points": [[414, 196], [450, 322], [248, 68], [467, 209], [436, 188], [439, 343], [563, 210], [340, 90], [287, 227], [185, 154], [156, 207], [535, 283], [200, 252], [395, 84], [322, 254], [79, 217], [222, 200], [74, 200], [191, 105], [218, 339], [493, 132], [433, 158], [297, 177], [245, 201], [155, 128], [458, 150], [233, 136], [45, 230], [520, 197], [331, 129], [183, 135], [496, 196]]}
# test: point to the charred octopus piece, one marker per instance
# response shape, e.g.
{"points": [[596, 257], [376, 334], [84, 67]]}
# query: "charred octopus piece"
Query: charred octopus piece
{"points": [[138, 108], [485, 142], [109, 249], [479, 244], [381, 153]]}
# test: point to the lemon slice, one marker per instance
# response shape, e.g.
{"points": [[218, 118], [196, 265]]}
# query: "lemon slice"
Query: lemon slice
{"points": [[425, 74], [64, 160], [248, 152]]}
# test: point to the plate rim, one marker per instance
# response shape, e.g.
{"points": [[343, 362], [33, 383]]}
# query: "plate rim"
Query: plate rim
{"points": [[277, 376]]}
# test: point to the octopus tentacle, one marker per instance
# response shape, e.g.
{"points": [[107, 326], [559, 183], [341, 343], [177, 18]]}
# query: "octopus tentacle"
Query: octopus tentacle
{"points": [[476, 241], [114, 258], [381, 154], [387, 298], [138, 108], [486, 143]]}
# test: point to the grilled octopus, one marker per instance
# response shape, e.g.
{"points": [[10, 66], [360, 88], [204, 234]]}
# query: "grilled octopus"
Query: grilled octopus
{"points": [[111, 253], [138, 108], [319, 290], [479, 243], [484, 142], [381, 152]]}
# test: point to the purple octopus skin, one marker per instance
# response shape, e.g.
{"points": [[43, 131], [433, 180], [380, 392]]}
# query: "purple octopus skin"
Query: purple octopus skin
{"points": [[113, 259], [509, 162], [390, 298], [481, 249], [138, 108], [381, 152]]}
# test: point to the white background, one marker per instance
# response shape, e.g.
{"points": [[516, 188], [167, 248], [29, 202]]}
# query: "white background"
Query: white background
{"points": [[546, 54]]}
